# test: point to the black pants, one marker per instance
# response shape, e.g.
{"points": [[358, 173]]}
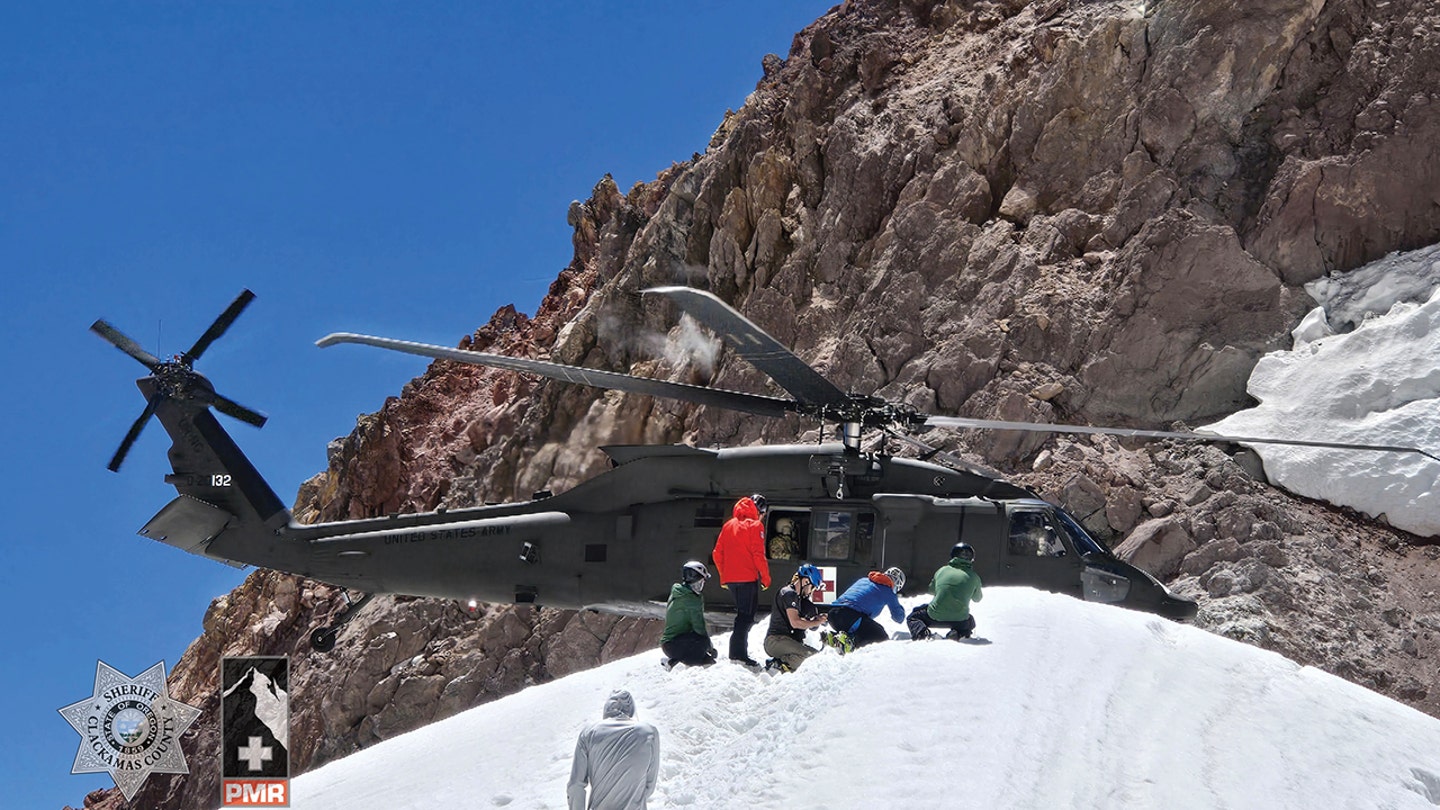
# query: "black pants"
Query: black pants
{"points": [[920, 623], [861, 628], [747, 599], [691, 649]]}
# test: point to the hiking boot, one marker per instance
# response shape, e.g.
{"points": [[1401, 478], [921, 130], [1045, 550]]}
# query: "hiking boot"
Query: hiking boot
{"points": [[776, 665], [747, 661], [840, 641]]}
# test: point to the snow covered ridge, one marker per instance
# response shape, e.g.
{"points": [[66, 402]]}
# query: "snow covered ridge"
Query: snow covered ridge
{"points": [[1377, 383], [1064, 704]]}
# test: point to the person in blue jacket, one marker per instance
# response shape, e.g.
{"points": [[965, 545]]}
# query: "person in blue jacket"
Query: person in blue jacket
{"points": [[852, 616]]}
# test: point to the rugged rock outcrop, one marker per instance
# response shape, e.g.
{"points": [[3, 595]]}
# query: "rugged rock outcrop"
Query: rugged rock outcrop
{"points": [[1063, 211]]}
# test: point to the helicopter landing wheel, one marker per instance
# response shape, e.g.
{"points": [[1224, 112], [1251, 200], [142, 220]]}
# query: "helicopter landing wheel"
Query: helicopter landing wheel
{"points": [[323, 639]]}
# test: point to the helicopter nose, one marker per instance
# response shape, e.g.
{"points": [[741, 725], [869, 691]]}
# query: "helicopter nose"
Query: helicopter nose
{"points": [[1177, 607]]}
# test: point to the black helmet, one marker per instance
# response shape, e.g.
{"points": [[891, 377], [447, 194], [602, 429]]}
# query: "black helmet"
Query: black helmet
{"points": [[694, 571], [963, 551], [760, 503]]}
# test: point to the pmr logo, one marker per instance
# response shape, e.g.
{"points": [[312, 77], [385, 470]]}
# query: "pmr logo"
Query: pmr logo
{"points": [[130, 727], [255, 732]]}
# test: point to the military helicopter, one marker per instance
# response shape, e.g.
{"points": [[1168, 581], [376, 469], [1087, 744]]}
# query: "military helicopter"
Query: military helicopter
{"points": [[617, 541]]}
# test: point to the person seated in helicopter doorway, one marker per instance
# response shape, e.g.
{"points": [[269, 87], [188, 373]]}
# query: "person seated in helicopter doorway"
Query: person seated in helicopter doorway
{"points": [[740, 558], [852, 615], [795, 612], [783, 545], [955, 586], [686, 639]]}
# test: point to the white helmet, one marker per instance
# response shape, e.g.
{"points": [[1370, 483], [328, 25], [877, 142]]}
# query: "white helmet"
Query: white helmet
{"points": [[694, 572], [896, 576]]}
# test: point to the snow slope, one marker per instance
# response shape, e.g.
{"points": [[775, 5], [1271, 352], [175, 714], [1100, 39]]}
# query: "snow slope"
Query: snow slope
{"points": [[1378, 383], [1064, 704]]}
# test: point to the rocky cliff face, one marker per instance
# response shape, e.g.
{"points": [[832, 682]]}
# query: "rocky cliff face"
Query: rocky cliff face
{"points": [[1060, 211]]}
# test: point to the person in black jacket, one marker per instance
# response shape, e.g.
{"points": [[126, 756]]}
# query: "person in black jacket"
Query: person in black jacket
{"points": [[795, 612]]}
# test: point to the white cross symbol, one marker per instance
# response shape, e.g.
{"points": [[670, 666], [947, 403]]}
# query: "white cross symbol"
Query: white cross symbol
{"points": [[255, 753]]}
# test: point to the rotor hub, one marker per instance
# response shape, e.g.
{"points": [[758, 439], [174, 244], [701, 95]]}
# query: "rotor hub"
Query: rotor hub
{"points": [[176, 380]]}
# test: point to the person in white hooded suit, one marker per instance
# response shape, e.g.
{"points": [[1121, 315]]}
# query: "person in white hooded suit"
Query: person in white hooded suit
{"points": [[618, 756]]}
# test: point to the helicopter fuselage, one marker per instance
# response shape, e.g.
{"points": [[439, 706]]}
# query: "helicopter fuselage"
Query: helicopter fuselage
{"points": [[617, 541]]}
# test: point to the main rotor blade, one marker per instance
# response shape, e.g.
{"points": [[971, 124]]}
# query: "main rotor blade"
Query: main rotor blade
{"points": [[132, 435], [231, 408], [949, 458], [752, 343], [718, 397], [1041, 427], [220, 325], [123, 342]]}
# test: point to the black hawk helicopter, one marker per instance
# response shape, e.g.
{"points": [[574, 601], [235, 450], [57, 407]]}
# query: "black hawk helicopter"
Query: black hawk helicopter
{"points": [[616, 541]]}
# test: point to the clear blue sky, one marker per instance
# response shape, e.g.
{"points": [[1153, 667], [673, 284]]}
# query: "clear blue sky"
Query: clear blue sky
{"points": [[397, 168]]}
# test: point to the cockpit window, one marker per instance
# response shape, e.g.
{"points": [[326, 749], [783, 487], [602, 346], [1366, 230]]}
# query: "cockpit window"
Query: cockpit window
{"points": [[1033, 535], [1083, 542]]}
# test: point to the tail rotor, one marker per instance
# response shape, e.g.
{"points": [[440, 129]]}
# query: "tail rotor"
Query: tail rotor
{"points": [[175, 378]]}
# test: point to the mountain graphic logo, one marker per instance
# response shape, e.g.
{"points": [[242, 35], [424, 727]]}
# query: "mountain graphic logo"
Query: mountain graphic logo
{"points": [[255, 720]]}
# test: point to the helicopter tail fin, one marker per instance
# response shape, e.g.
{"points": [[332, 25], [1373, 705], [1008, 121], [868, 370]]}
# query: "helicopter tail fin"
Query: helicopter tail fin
{"points": [[225, 509]]}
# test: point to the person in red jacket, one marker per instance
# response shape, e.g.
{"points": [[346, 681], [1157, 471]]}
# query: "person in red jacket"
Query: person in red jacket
{"points": [[740, 558]]}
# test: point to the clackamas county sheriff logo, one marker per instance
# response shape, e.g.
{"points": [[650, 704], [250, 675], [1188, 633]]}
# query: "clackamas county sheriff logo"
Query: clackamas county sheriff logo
{"points": [[130, 727]]}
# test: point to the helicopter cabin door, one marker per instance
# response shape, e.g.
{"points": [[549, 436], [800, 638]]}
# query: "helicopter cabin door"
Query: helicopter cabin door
{"points": [[919, 531], [838, 536], [1036, 552]]}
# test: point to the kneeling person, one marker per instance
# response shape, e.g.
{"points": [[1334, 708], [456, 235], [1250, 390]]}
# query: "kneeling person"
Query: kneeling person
{"points": [[853, 614], [954, 586], [686, 640], [795, 612]]}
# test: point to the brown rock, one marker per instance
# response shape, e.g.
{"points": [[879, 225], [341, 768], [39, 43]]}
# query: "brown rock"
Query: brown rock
{"points": [[1157, 546]]}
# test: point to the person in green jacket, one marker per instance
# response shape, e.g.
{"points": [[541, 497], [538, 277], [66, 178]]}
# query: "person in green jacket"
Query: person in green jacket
{"points": [[686, 639], [955, 586]]}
